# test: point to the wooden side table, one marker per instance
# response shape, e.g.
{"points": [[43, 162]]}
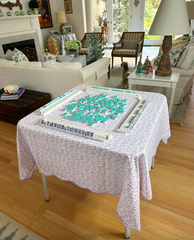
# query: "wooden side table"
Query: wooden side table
{"points": [[158, 81], [11, 111]]}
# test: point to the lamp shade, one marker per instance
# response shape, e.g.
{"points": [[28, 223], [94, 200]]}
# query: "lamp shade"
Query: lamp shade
{"points": [[171, 19], [190, 9], [61, 17]]}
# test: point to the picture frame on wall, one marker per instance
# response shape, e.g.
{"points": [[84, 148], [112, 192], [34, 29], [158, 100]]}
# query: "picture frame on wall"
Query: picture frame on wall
{"points": [[67, 29], [44, 10], [68, 6]]}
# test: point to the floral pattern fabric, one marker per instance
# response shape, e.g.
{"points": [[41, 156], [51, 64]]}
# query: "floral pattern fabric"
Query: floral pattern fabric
{"points": [[19, 56], [50, 57], [174, 56]]}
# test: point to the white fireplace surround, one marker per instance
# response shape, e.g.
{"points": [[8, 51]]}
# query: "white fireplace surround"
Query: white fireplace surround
{"points": [[20, 28]]}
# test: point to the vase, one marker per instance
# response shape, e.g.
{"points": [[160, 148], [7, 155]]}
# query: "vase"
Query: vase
{"points": [[35, 11], [75, 54]]}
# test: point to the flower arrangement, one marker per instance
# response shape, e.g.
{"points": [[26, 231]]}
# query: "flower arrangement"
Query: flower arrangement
{"points": [[73, 45]]}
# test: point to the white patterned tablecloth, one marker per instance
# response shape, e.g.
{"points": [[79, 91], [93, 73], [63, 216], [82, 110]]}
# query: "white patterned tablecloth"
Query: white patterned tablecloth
{"points": [[120, 165]]}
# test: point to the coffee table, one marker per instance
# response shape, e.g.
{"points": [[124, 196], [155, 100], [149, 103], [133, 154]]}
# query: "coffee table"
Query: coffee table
{"points": [[11, 111], [158, 81]]}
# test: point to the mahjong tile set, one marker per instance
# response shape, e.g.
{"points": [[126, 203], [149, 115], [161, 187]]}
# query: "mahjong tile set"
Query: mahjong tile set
{"points": [[94, 106]]}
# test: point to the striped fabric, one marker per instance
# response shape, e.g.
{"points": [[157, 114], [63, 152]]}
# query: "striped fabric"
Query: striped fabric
{"points": [[186, 60], [123, 52], [82, 51], [130, 44], [132, 36], [98, 35]]}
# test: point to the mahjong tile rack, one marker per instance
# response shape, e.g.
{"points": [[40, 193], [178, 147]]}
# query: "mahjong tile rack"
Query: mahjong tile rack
{"points": [[91, 110]]}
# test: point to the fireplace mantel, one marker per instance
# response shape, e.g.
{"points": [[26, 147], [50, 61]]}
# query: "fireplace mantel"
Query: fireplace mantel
{"points": [[22, 27]]}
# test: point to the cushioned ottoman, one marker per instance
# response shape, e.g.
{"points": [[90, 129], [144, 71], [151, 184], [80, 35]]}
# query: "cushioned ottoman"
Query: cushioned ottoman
{"points": [[11, 111]]}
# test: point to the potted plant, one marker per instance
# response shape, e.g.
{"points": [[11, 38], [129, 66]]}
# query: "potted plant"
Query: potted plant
{"points": [[34, 5], [73, 47]]}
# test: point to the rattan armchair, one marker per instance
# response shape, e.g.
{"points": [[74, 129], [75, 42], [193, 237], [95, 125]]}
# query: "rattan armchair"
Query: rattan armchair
{"points": [[85, 40], [130, 45]]}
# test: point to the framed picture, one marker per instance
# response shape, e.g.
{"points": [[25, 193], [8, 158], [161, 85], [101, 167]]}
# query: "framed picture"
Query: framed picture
{"points": [[44, 10], [67, 29], [68, 6]]}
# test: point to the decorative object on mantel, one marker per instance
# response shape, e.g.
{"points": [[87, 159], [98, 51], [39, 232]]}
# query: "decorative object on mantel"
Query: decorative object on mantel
{"points": [[167, 22], [34, 5], [136, 2], [68, 6], [22, 13], [17, 13], [29, 12], [44, 10], [61, 18], [9, 14], [10, 5], [52, 46], [73, 47], [1, 13]]}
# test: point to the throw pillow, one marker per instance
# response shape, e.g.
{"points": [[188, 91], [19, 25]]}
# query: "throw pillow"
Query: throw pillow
{"points": [[130, 44], [85, 43], [49, 56], [186, 60], [81, 59], [19, 56], [174, 56], [7, 55], [65, 58]]}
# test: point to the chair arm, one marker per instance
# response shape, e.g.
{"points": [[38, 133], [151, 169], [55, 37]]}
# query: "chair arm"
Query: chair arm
{"points": [[120, 43], [139, 46]]}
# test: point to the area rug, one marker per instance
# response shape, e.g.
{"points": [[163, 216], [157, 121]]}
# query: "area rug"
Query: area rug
{"points": [[178, 112], [11, 230]]}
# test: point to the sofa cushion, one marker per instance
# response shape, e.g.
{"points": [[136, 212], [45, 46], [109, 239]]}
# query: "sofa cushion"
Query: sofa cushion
{"points": [[65, 58], [174, 56], [19, 56], [81, 59], [49, 56], [130, 44], [62, 65], [5, 62], [186, 60], [29, 64]]}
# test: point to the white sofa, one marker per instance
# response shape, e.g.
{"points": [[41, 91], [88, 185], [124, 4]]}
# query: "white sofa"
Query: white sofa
{"points": [[56, 81]]}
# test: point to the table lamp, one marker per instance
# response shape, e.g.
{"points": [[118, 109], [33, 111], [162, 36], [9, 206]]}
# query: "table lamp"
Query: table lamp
{"points": [[170, 19], [61, 18]]}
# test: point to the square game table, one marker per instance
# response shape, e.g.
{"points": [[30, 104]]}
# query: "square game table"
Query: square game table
{"points": [[119, 166]]}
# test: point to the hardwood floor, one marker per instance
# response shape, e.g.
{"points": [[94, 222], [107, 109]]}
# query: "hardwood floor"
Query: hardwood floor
{"points": [[75, 213]]}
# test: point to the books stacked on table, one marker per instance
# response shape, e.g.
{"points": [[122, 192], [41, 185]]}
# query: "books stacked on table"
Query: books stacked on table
{"points": [[14, 96]]}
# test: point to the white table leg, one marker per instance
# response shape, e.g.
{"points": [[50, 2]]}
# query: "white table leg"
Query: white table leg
{"points": [[45, 188], [129, 83], [172, 97], [152, 162], [127, 233]]}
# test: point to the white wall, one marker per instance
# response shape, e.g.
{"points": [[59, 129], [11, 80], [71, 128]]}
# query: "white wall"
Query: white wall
{"points": [[77, 18]]}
